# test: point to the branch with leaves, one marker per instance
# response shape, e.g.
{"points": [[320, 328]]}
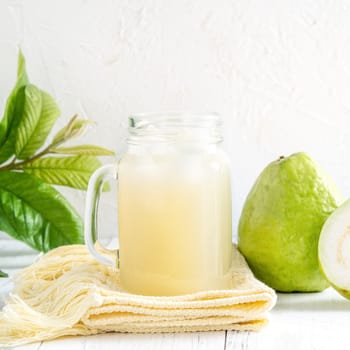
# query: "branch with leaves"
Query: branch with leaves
{"points": [[31, 209]]}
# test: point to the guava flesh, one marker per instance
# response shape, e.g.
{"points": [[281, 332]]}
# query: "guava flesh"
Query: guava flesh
{"points": [[334, 248], [281, 222]]}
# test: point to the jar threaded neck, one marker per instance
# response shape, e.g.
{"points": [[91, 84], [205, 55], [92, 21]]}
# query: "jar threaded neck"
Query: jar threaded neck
{"points": [[175, 127]]}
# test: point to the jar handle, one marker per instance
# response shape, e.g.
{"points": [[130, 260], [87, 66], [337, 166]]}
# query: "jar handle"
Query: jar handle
{"points": [[96, 182]]}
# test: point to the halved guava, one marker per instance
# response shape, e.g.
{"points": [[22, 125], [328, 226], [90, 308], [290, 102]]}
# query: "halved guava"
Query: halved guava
{"points": [[334, 249]]}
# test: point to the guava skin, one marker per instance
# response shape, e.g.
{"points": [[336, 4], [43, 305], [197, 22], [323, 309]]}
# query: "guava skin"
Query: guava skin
{"points": [[345, 293], [281, 222]]}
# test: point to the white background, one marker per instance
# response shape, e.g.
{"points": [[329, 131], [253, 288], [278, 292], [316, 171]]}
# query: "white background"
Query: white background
{"points": [[277, 71]]}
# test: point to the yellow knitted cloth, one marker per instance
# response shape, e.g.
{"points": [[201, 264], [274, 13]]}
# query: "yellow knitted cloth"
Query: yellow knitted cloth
{"points": [[68, 292]]}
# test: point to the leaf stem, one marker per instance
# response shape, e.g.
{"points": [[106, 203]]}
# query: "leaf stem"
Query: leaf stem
{"points": [[18, 165], [73, 129]]}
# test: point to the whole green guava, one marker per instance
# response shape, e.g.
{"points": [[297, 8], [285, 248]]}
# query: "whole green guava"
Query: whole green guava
{"points": [[281, 222]]}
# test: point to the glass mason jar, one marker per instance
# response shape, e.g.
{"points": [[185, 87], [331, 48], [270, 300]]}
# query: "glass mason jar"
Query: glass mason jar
{"points": [[174, 206]]}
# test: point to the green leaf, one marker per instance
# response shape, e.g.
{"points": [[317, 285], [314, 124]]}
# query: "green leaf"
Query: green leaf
{"points": [[86, 150], [13, 112], [35, 213], [30, 118], [21, 69], [39, 115], [3, 274], [75, 128], [68, 171]]}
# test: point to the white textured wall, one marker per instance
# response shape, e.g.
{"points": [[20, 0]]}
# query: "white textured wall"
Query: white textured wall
{"points": [[277, 70]]}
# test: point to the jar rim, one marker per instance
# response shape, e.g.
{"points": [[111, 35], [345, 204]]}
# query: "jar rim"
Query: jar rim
{"points": [[175, 126], [205, 119]]}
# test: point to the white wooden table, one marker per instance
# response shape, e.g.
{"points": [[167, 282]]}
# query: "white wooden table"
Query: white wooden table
{"points": [[299, 321]]}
